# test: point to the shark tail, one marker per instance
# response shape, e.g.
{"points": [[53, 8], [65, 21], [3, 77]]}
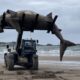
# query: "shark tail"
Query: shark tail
{"points": [[63, 47]]}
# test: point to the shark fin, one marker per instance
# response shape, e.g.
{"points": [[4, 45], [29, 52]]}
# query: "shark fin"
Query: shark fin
{"points": [[49, 15]]}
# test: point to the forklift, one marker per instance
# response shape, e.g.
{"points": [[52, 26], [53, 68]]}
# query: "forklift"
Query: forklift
{"points": [[24, 54]]}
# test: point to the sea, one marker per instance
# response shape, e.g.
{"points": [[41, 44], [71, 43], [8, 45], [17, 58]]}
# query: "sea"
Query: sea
{"points": [[54, 50]]}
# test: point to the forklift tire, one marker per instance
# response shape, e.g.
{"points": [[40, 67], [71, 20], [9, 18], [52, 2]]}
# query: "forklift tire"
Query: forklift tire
{"points": [[35, 62], [5, 60], [9, 60]]}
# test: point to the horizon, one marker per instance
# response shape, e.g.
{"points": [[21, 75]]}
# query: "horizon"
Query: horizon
{"points": [[39, 43]]}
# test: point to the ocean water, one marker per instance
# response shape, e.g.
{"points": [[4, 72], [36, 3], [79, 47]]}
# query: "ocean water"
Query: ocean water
{"points": [[48, 51], [55, 51]]}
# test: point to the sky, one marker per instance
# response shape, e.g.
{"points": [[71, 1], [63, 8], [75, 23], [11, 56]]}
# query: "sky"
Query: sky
{"points": [[68, 12]]}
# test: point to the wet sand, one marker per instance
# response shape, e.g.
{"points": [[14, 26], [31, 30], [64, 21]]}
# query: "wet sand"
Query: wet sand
{"points": [[50, 68], [57, 58]]}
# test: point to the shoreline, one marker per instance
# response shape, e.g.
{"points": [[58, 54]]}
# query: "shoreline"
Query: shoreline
{"points": [[54, 58]]}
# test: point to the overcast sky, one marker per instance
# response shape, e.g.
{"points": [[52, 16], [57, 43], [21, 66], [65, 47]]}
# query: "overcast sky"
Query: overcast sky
{"points": [[68, 12]]}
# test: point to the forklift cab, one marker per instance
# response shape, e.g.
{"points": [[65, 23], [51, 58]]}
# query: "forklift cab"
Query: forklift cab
{"points": [[28, 47]]}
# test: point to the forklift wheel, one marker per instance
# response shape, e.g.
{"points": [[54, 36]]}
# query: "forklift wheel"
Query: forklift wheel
{"points": [[35, 62], [5, 60], [9, 61]]}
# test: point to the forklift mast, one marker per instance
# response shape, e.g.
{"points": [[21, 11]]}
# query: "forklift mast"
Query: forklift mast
{"points": [[19, 38]]}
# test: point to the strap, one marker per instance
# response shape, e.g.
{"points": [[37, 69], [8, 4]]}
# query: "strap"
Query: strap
{"points": [[21, 21], [35, 23]]}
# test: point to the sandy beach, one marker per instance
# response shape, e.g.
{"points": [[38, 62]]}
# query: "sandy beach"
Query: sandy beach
{"points": [[50, 68]]}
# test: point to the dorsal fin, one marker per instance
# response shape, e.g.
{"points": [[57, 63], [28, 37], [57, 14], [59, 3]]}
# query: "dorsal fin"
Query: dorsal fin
{"points": [[49, 15]]}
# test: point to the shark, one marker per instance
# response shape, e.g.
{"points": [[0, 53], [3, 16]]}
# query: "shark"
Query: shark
{"points": [[26, 20]]}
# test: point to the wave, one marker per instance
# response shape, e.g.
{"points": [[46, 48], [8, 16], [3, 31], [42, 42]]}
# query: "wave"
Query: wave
{"points": [[57, 53], [42, 51]]}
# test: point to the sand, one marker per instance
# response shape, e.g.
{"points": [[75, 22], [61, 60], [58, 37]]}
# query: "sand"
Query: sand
{"points": [[50, 68], [57, 58]]}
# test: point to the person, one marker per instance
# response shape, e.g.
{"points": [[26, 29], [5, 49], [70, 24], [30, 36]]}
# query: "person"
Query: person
{"points": [[8, 49]]}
